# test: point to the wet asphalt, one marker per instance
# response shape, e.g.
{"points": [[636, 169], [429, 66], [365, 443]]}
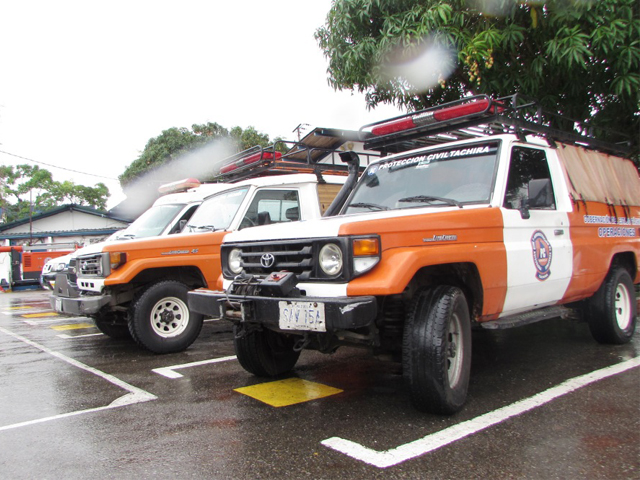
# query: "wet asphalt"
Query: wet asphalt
{"points": [[545, 402]]}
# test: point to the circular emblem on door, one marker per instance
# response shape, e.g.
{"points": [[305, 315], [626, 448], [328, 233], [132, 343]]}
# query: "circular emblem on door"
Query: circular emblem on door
{"points": [[542, 253], [267, 260]]}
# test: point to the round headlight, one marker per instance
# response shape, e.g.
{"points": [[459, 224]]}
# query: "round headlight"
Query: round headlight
{"points": [[330, 259], [235, 261]]}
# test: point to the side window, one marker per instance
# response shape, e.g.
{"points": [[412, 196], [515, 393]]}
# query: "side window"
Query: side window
{"points": [[272, 206], [527, 164]]}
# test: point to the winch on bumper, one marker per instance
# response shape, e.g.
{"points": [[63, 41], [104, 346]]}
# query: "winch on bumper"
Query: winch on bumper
{"points": [[275, 302]]}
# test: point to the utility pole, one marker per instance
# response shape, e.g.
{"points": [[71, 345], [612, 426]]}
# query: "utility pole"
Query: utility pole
{"points": [[299, 128]]}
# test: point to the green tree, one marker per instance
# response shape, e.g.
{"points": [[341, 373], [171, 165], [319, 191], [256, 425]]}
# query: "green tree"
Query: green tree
{"points": [[175, 143], [577, 57], [28, 188]]}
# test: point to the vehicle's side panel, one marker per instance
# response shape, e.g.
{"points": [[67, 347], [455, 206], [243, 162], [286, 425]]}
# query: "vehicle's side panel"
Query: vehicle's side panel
{"points": [[453, 236], [599, 232], [203, 251]]}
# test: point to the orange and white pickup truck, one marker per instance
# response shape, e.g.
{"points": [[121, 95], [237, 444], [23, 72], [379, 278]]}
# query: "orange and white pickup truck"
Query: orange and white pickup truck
{"points": [[492, 220], [139, 287]]}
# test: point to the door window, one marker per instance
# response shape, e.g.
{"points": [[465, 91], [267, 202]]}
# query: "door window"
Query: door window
{"points": [[526, 164]]}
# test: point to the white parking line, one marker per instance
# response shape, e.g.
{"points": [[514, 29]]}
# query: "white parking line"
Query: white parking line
{"points": [[449, 435], [170, 372], [84, 335], [135, 395]]}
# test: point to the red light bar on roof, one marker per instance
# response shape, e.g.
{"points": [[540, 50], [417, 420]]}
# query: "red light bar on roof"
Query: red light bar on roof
{"points": [[434, 116], [179, 186], [253, 158]]}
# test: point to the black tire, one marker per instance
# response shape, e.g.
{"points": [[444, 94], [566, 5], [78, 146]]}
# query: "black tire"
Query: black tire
{"points": [[112, 324], [436, 352], [265, 353], [160, 319], [612, 310]]}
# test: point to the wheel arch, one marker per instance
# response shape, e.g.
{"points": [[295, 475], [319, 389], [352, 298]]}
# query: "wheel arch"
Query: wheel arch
{"points": [[189, 275], [626, 260], [464, 275]]}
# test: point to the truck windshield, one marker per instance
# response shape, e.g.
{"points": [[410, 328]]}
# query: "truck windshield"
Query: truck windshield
{"points": [[448, 177], [216, 212], [152, 222]]}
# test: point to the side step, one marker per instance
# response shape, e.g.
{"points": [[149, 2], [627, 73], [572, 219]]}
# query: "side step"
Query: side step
{"points": [[528, 317]]}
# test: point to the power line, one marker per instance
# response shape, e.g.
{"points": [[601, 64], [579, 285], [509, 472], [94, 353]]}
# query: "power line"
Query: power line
{"points": [[55, 166]]}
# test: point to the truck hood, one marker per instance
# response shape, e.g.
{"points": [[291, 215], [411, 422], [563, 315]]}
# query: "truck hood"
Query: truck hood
{"points": [[330, 226], [172, 242]]}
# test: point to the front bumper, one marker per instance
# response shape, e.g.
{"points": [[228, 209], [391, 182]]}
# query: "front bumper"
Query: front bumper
{"points": [[342, 313], [66, 299], [79, 305]]}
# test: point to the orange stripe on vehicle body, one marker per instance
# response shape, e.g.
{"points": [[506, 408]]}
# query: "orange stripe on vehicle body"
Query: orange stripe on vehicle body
{"points": [[412, 243], [592, 253], [202, 251]]}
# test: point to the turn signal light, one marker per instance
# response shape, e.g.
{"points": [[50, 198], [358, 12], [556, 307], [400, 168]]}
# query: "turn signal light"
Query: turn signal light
{"points": [[366, 247], [117, 259]]}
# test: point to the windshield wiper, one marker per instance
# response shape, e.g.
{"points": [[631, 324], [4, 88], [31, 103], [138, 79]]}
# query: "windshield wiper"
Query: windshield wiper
{"points": [[128, 235], [210, 228], [430, 198], [370, 206]]}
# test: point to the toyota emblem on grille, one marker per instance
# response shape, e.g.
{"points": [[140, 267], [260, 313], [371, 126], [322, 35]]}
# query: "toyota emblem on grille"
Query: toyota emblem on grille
{"points": [[267, 260]]}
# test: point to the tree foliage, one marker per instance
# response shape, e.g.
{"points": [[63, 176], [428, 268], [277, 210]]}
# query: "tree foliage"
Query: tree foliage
{"points": [[28, 188], [174, 143], [580, 58]]}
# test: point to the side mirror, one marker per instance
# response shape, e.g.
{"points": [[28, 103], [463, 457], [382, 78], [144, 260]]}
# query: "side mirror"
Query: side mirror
{"points": [[540, 196], [540, 193]]}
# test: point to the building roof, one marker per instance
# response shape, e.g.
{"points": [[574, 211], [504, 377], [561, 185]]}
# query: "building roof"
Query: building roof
{"points": [[57, 211]]}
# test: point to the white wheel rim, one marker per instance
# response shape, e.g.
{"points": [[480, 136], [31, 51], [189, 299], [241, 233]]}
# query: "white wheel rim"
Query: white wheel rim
{"points": [[622, 306], [169, 317], [455, 351]]}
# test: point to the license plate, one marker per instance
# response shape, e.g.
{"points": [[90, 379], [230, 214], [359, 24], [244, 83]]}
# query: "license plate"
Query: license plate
{"points": [[302, 316]]}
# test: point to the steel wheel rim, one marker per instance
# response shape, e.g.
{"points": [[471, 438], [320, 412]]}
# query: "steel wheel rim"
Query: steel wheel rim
{"points": [[169, 317], [622, 307], [455, 351]]}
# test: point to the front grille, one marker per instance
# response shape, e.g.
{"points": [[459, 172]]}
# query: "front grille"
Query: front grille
{"points": [[89, 265], [294, 256]]}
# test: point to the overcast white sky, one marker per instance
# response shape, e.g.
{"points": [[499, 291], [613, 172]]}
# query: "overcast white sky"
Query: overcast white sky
{"points": [[85, 84]]}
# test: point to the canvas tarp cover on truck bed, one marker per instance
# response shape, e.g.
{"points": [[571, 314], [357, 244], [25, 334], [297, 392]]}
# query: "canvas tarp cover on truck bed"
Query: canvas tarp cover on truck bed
{"points": [[598, 177]]}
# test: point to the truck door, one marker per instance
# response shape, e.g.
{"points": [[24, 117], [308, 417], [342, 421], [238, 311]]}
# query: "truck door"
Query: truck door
{"points": [[536, 232]]}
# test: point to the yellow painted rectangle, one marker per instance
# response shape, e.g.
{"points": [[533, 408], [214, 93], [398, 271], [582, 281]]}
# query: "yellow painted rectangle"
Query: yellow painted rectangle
{"points": [[39, 315], [290, 391], [75, 326]]}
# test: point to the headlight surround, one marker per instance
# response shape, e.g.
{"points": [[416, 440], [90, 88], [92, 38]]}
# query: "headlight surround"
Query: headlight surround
{"points": [[330, 259], [234, 261]]}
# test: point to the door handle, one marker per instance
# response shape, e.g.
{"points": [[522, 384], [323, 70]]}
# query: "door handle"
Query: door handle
{"points": [[558, 231]]}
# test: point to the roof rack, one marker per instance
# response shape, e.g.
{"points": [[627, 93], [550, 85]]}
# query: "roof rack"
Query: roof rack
{"points": [[475, 117], [316, 153]]}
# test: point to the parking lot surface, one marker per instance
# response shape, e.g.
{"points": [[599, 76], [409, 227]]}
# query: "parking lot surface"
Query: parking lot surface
{"points": [[545, 401]]}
